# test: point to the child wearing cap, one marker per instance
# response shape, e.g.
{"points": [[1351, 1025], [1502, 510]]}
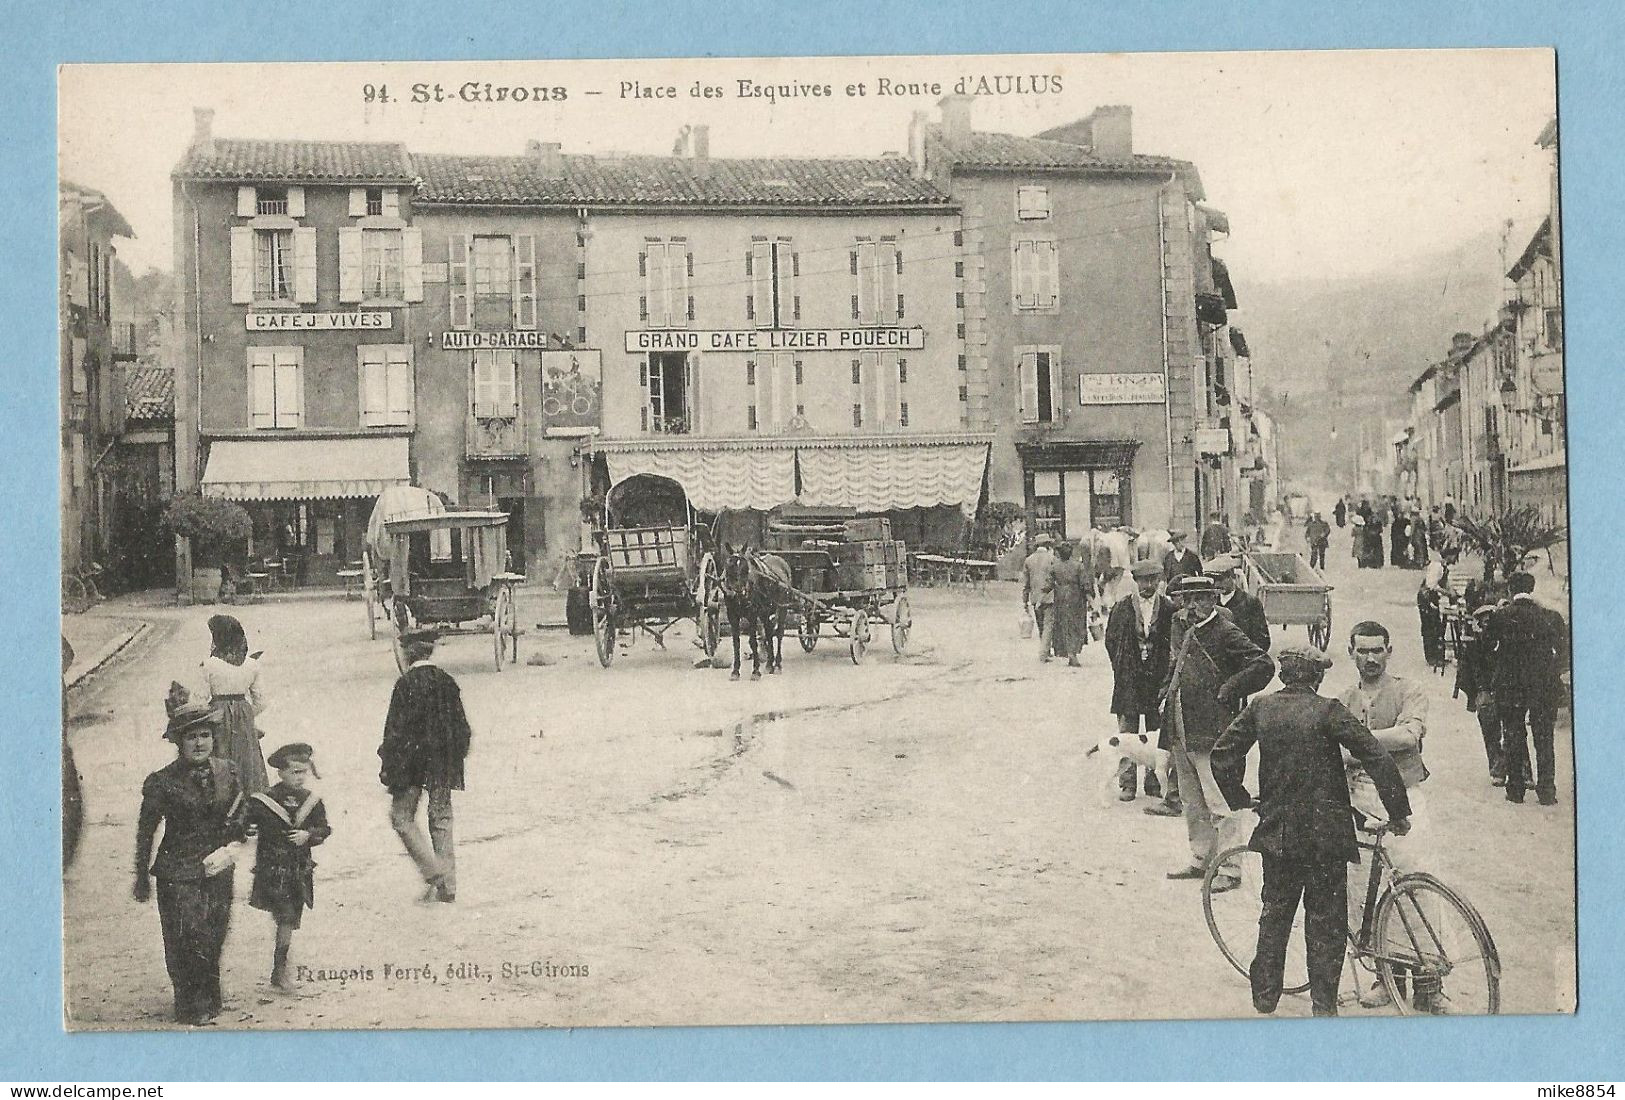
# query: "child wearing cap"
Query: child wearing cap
{"points": [[290, 820]]}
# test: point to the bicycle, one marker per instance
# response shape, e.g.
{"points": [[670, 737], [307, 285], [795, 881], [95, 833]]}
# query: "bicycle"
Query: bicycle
{"points": [[79, 591], [1411, 929]]}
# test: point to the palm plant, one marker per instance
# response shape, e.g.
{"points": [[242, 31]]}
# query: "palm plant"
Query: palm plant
{"points": [[1503, 540]]}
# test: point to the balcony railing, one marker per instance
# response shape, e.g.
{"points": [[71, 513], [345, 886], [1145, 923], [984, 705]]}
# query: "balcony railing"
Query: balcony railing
{"points": [[271, 206], [495, 432]]}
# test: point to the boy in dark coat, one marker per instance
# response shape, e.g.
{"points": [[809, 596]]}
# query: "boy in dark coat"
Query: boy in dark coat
{"points": [[290, 820], [426, 737], [199, 801], [1305, 827], [1137, 643]]}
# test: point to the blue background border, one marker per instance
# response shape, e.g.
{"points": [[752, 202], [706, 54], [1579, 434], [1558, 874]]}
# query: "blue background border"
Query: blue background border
{"points": [[1587, 36]]}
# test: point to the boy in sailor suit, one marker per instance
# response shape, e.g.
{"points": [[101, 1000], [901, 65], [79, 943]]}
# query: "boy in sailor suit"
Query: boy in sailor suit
{"points": [[290, 820]]}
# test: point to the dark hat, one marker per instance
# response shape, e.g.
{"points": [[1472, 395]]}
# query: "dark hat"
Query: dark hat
{"points": [[296, 752], [189, 715], [1194, 586], [1307, 654], [1145, 569]]}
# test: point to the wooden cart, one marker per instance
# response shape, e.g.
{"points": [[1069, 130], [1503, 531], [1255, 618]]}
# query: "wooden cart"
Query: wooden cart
{"points": [[825, 604], [1292, 593], [471, 592]]}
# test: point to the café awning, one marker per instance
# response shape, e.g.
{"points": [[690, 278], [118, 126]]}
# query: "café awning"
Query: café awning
{"points": [[877, 473], [305, 469]]}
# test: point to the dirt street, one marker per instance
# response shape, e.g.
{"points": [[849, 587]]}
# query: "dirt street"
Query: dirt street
{"points": [[911, 839]]}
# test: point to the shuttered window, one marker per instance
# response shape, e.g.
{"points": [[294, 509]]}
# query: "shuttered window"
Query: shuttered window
{"points": [[458, 248], [881, 379], [386, 384], [1039, 378], [494, 384], [773, 267], [878, 267], [276, 387], [776, 379], [666, 266], [1035, 275]]}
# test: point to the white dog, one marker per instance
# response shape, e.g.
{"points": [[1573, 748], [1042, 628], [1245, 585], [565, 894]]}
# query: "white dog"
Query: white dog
{"points": [[1137, 747]]}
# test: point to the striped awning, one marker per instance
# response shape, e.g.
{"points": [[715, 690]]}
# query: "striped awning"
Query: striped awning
{"points": [[875, 473], [305, 469]]}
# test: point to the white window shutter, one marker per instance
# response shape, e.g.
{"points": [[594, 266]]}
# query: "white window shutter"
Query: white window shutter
{"points": [[392, 203], [400, 385], [886, 269], [508, 379], [1057, 393], [1027, 370], [677, 281], [480, 383], [761, 281], [242, 264], [304, 264], [374, 397], [786, 287], [262, 388], [1048, 259], [412, 264], [656, 285], [358, 202], [350, 261], [246, 202], [871, 389], [524, 284], [767, 390], [867, 290], [296, 202], [289, 405], [458, 256]]}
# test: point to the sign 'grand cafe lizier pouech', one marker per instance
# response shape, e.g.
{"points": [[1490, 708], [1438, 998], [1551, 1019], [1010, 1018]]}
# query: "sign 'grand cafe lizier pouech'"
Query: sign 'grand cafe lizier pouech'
{"points": [[808, 339]]}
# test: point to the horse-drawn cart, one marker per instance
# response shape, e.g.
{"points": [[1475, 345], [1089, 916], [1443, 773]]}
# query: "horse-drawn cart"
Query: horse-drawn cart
{"points": [[1292, 593], [649, 577], [464, 589], [832, 596]]}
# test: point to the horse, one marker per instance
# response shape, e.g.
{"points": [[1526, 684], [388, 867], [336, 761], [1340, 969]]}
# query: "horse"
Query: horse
{"points": [[753, 593]]}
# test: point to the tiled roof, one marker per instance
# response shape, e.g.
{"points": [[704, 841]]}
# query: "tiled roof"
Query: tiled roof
{"points": [[149, 393], [981, 149], [296, 161], [668, 181]]}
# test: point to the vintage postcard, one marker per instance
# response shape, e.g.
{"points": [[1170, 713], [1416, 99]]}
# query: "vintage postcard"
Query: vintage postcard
{"points": [[814, 540]]}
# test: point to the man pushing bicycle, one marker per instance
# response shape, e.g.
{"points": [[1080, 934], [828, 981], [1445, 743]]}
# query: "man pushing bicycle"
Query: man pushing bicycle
{"points": [[1305, 831]]}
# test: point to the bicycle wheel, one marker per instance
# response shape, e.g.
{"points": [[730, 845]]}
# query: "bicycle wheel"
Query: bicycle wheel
{"points": [[74, 597], [1232, 916], [1434, 952]]}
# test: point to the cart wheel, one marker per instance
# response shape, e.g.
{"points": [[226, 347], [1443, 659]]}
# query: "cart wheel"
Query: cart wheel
{"points": [[902, 621], [503, 639], [400, 621], [603, 612], [706, 597], [860, 636], [807, 631], [369, 592]]}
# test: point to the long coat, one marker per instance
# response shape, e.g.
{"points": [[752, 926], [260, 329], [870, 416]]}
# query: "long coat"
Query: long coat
{"points": [[1527, 648], [1071, 582], [1219, 660], [1248, 613], [1304, 810], [426, 734], [194, 824], [1139, 660]]}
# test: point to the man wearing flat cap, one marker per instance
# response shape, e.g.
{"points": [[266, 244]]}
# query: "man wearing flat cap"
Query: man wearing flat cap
{"points": [[1181, 560], [1215, 667], [199, 802], [426, 737], [1137, 632], [1305, 830], [1245, 608]]}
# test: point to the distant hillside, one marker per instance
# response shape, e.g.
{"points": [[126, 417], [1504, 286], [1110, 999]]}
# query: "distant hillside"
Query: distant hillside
{"points": [[1342, 350]]}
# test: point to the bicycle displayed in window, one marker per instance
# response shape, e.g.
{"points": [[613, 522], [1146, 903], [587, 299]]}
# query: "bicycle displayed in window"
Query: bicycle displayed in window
{"points": [[1427, 946]]}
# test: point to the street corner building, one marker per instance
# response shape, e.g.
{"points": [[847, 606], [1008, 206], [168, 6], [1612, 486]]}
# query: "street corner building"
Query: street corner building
{"points": [[988, 317]]}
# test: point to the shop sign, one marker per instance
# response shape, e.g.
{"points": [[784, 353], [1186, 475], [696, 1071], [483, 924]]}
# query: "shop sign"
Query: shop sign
{"points": [[1121, 389], [288, 322], [776, 339], [1212, 441], [572, 391], [458, 340]]}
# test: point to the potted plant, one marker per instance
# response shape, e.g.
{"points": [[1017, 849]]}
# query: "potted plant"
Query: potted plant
{"points": [[1504, 540], [215, 528]]}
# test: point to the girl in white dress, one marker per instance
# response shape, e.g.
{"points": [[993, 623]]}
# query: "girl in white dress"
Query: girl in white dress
{"points": [[233, 681]]}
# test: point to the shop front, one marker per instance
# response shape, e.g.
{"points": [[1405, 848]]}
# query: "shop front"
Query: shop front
{"points": [[309, 499], [1073, 486]]}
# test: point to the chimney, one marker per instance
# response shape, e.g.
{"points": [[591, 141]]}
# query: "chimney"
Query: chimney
{"points": [[955, 116], [700, 142], [1111, 130], [203, 128], [917, 125], [548, 156]]}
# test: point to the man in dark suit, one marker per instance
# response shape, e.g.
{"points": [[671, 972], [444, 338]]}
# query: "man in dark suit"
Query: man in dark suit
{"points": [[1242, 605], [1215, 537], [426, 737], [1215, 667], [1527, 647], [1305, 827], [1137, 633], [1181, 560]]}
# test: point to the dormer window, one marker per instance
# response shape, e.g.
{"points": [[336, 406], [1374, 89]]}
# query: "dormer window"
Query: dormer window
{"points": [[270, 200], [375, 202]]}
